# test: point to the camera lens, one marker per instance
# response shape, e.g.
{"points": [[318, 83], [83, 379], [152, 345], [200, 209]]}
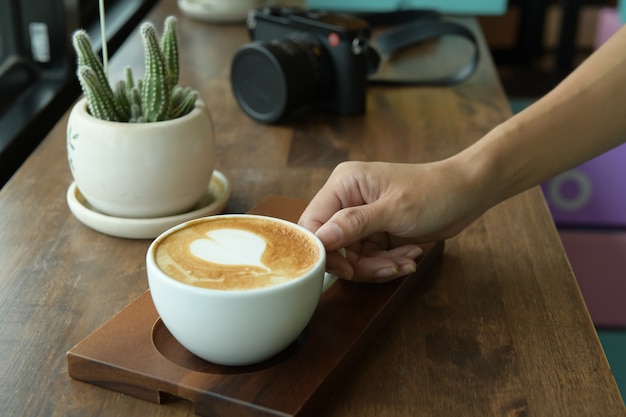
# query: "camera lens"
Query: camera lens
{"points": [[272, 78]]}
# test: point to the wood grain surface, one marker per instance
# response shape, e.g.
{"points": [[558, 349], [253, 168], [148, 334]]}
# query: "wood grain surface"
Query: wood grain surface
{"points": [[498, 328]]}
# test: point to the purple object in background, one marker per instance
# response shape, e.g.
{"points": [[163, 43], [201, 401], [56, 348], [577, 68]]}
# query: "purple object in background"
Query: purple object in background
{"points": [[598, 259], [592, 194], [608, 23]]}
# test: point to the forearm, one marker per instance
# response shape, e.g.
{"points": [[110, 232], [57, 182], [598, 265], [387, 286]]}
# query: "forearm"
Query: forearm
{"points": [[581, 118]]}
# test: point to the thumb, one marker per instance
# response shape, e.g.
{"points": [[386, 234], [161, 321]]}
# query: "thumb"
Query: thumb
{"points": [[350, 225]]}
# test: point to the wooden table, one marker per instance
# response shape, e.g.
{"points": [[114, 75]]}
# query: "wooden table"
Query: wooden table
{"points": [[498, 328]]}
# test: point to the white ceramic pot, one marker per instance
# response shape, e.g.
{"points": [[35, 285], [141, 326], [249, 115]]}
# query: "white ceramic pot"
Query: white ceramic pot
{"points": [[141, 170]]}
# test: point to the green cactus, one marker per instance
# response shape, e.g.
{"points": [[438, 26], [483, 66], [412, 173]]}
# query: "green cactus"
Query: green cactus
{"points": [[157, 97]]}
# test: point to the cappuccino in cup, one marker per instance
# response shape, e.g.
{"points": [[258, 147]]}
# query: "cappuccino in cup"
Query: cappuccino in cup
{"points": [[236, 253], [236, 289]]}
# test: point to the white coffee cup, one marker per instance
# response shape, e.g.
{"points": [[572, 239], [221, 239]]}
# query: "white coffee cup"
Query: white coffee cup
{"points": [[256, 318]]}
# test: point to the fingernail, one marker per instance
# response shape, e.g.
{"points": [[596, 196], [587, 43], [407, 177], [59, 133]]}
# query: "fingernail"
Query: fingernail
{"points": [[415, 253], [407, 269], [340, 274], [386, 272], [329, 234]]}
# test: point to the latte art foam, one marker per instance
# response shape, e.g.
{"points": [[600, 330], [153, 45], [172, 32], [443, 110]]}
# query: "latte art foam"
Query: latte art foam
{"points": [[236, 253]]}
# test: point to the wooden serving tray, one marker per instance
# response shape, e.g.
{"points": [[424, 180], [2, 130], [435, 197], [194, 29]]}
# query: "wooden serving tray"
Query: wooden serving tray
{"points": [[135, 354]]}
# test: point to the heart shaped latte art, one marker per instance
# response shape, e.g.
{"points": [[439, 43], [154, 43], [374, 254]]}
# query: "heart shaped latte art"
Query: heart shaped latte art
{"points": [[230, 247]]}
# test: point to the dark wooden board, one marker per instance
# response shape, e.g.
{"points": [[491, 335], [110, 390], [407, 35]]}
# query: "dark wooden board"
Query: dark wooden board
{"points": [[133, 352]]}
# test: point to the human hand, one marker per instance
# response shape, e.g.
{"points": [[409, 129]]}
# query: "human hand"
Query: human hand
{"points": [[379, 212]]}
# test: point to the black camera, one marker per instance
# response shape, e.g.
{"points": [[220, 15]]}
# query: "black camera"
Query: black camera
{"points": [[300, 58]]}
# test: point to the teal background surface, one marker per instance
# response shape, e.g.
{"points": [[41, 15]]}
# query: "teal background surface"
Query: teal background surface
{"points": [[484, 7]]}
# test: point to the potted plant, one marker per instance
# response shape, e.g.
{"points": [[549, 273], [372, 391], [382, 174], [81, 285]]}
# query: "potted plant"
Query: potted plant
{"points": [[144, 148]]}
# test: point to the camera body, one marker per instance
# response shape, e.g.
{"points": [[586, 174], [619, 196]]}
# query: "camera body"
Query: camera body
{"points": [[301, 58]]}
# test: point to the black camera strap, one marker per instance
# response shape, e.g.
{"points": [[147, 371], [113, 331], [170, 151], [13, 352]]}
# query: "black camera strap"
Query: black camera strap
{"points": [[413, 27]]}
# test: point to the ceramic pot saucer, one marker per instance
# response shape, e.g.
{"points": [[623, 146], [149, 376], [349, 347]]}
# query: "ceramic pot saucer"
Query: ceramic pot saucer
{"points": [[213, 202]]}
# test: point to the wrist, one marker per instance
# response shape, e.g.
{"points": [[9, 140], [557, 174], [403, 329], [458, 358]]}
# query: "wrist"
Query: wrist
{"points": [[488, 174]]}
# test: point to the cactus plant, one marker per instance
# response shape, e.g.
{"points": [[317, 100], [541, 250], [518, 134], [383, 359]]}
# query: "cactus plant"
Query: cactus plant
{"points": [[155, 98]]}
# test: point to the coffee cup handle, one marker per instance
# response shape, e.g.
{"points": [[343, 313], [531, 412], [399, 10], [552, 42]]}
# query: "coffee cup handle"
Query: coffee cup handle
{"points": [[330, 279]]}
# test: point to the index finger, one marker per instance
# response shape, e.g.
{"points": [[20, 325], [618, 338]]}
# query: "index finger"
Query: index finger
{"points": [[321, 208]]}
